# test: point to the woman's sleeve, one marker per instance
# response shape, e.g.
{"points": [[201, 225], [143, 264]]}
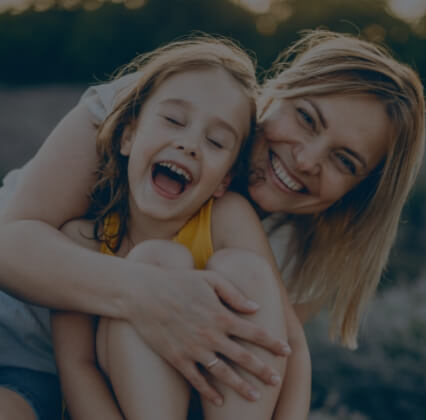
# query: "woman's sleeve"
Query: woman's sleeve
{"points": [[101, 99]]}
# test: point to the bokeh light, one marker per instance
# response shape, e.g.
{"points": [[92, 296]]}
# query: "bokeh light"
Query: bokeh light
{"points": [[410, 10]]}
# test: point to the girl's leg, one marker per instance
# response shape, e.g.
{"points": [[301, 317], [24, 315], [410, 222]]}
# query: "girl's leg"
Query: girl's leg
{"points": [[14, 406], [145, 386], [254, 277], [27, 394]]}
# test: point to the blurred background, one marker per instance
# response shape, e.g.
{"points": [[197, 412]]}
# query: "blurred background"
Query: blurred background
{"points": [[50, 50]]}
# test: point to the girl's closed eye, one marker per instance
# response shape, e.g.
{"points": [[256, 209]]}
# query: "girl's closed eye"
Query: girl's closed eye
{"points": [[172, 119], [215, 143]]}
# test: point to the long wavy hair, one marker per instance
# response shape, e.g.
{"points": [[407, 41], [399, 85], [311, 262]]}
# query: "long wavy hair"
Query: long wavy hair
{"points": [[341, 252], [146, 73]]}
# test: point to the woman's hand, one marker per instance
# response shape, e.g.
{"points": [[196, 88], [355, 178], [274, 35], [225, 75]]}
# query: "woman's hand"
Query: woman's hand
{"points": [[179, 314]]}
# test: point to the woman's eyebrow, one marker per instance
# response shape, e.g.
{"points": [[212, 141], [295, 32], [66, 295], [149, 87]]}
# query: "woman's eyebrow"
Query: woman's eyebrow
{"points": [[318, 111]]}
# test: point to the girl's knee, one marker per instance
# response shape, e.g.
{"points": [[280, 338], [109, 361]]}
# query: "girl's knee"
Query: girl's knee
{"points": [[256, 279], [162, 253], [249, 272]]}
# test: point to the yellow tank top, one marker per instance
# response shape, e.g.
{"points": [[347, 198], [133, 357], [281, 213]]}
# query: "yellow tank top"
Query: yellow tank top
{"points": [[195, 235]]}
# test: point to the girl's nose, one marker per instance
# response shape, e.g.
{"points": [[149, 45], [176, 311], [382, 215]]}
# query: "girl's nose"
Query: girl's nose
{"points": [[190, 150], [189, 144], [307, 158]]}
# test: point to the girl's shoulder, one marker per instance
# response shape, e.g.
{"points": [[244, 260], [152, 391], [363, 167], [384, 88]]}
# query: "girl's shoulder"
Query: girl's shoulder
{"points": [[235, 223], [81, 231]]}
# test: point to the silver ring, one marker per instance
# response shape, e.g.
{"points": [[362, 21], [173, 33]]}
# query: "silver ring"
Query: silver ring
{"points": [[213, 363]]}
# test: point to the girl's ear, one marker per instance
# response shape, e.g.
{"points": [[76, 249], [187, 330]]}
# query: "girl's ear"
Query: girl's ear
{"points": [[126, 140], [223, 186]]}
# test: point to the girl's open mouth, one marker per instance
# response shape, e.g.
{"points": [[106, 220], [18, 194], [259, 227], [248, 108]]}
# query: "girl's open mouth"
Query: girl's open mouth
{"points": [[170, 179]]}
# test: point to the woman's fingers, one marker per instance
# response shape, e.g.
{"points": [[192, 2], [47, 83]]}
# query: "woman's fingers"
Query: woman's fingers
{"points": [[231, 295], [186, 324], [225, 374], [249, 331], [190, 371], [247, 360], [243, 329]]}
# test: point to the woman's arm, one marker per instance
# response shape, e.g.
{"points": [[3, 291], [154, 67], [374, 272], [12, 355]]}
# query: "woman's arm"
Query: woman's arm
{"points": [[39, 264], [86, 392]]}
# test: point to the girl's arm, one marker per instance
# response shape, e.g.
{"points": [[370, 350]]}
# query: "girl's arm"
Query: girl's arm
{"points": [[39, 264], [239, 227], [86, 392]]}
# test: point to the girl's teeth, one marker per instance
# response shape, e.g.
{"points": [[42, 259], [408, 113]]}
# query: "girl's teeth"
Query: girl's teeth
{"points": [[179, 171], [283, 176]]}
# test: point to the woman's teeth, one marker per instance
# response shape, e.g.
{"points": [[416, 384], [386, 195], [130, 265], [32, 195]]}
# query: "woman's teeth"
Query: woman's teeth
{"points": [[283, 176]]}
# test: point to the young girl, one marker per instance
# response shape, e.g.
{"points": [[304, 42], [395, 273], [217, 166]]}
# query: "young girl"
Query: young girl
{"points": [[166, 149], [338, 209]]}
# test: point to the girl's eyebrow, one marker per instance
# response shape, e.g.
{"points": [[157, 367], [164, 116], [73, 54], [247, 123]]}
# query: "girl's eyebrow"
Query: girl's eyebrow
{"points": [[176, 101]]}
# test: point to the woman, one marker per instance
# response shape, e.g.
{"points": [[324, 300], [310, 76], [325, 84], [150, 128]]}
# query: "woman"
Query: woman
{"points": [[340, 142]]}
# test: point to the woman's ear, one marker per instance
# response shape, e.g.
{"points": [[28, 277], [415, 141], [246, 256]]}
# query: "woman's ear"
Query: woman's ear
{"points": [[224, 185], [126, 140]]}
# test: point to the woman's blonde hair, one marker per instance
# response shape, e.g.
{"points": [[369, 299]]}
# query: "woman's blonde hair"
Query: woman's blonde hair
{"points": [[201, 52], [342, 252]]}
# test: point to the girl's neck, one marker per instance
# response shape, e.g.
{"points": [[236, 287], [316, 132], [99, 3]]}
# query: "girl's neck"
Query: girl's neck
{"points": [[143, 228]]}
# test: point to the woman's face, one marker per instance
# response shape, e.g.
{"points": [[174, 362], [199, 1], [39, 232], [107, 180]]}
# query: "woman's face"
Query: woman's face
{"points": [[311, 151]]}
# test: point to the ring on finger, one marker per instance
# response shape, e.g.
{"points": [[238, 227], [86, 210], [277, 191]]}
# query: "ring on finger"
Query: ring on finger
{"points": [[213, 363]]}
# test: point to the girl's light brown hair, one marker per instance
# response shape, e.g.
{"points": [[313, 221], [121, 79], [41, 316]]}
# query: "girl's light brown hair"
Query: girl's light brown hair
{"points": [[202, 52], [342, 252]]}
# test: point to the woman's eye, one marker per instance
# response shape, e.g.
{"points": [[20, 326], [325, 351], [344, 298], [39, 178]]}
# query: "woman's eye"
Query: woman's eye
{"points": [[347, 164], [307, 118], [215, 143]]}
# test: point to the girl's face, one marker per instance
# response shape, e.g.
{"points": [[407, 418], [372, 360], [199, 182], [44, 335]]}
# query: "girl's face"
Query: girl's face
{"points": [[184, 143], [311, 151]]}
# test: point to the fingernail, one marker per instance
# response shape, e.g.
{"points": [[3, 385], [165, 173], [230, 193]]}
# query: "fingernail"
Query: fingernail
{"points": [[218, 401], [286, 349], [254, 395], [275, 380], [251, 305]]}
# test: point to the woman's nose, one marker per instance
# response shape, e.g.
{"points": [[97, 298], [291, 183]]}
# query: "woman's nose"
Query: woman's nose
{"points": [[307, 158]]}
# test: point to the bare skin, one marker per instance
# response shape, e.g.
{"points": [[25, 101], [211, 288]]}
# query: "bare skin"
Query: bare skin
{"points": [[15, 407]]}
